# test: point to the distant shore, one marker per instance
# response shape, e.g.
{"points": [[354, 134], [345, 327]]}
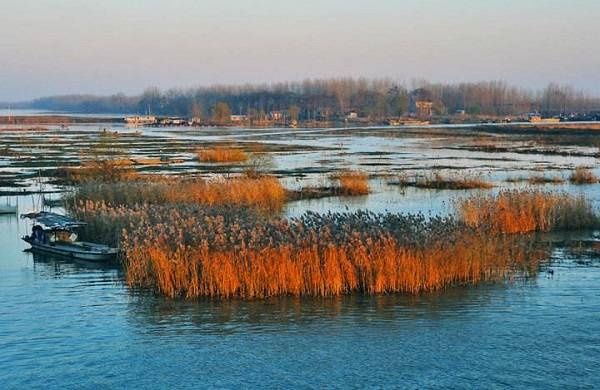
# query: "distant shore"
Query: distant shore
{"points": [[54, 120], [58, 120]]}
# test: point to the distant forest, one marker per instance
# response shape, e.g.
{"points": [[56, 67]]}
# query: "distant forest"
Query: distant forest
{"points": [[332, 99]]}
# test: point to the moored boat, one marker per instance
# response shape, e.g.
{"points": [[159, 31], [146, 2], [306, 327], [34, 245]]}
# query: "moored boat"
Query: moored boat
{"points": [[56, 234], [8, 209]]}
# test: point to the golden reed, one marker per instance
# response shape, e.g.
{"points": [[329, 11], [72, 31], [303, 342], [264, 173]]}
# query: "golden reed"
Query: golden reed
{"points": [[222, 154]]}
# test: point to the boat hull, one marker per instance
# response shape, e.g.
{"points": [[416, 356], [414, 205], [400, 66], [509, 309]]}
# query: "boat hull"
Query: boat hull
{"points": [[72, 252], [8, 209]]}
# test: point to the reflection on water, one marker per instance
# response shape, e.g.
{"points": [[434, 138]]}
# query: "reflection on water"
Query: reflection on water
{"points": [[296, 314], [58, 267]]}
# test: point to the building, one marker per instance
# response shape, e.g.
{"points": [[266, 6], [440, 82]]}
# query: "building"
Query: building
{"points": [[238, 118], [424, 108], [421, 103], [140, 120], [352, 115], [276, 115], [537, 118]]}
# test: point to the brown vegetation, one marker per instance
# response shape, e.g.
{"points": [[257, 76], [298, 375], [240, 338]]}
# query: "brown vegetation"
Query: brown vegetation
{"points": [[265, 192], [101, 171], [583, 175], [222, 154], [441, 182], [175, 245], [352, 183], [193, 252], [545, 180], [526, 211]]}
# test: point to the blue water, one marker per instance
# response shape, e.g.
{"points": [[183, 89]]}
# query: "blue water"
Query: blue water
{"points": [[70, 325]]}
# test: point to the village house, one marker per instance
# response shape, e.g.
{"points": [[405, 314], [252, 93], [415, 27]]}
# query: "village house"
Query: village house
{"points": [[276, 115], [140, 120], [238, 118]]}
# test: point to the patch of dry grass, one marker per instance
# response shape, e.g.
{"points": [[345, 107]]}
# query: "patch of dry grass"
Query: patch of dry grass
{"points": [[442, 182], [101, 171], [536, 179], [191, 252], [526, 211], [265, 192], [583, 175], [222, 154], [352, 183]]}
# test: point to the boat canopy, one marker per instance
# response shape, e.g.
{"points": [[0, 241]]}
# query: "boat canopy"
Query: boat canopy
{"points": [[53, 221]]}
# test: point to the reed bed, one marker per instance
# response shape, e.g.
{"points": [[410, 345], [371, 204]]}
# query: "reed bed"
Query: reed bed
{"points": [[352, 183], [443, 182], [583, 175], [222, 154], [526, 211], [535, 179], [265, 192], [101, 171], [197, 252]]}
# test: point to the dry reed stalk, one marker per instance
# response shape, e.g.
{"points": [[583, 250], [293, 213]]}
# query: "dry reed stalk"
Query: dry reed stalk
{"points": [[526, 211], [545, 180], [439, 181], [191, 251], [583, 175], [102, 171], [265, 192], [222, 154], [353, 183]]}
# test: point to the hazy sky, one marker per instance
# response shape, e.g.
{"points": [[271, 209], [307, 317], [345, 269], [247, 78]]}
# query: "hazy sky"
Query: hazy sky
{"points": [[106, 46]]}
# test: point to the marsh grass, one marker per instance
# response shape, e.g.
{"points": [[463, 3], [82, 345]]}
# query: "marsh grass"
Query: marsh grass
{"points": [[352, 183], [539, 179], [264, 192], [439, 181], [177, 243], [101, 171], [222, 154], [526, 211], [197, 252], [583, 175]]}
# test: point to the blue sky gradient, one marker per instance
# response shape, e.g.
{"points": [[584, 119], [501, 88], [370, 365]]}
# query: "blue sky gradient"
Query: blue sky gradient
{"points": [[81, 46]]}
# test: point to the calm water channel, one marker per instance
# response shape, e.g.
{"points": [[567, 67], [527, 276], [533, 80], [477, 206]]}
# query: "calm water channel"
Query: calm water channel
{"points": [[66, 325]]}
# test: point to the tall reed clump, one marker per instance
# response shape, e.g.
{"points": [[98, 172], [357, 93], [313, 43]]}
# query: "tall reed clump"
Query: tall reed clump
{"points": [[190, 251], [583, 175], [222, 154], [264, 192], [352, 183], [522, 211]]}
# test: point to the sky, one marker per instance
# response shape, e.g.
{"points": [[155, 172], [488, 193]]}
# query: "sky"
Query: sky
{"points": [[50, 47]]}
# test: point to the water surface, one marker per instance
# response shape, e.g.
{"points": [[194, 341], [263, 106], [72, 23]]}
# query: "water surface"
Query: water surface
{"points": [[65, 324]]}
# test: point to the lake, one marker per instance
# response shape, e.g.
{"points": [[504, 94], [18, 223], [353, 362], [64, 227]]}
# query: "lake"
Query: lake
{"points": [[65, 324]]}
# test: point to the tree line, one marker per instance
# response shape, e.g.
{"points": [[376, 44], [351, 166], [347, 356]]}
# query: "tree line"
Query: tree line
{"points": [[330, 99]]}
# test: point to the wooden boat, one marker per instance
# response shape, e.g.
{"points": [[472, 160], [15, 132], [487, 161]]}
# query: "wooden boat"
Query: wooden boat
{"points": [[55, 234]]}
